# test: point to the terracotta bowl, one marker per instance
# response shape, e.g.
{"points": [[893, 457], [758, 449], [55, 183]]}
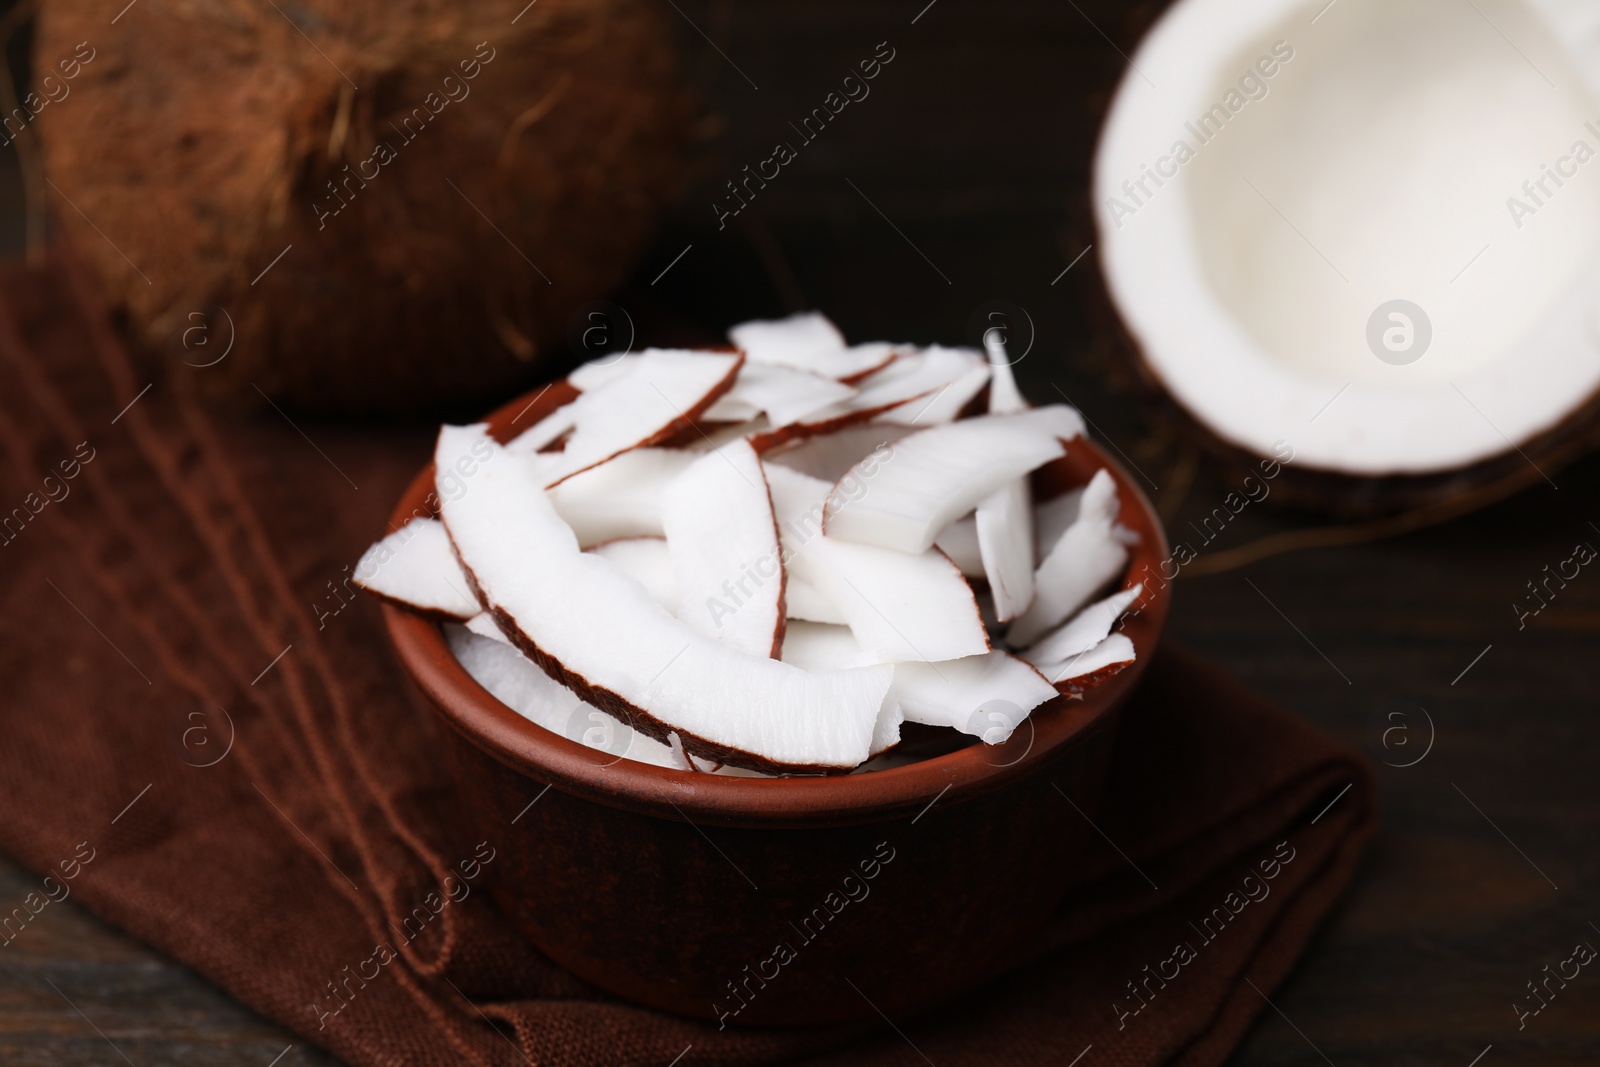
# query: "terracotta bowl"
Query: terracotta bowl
{"points": [[782, 901]]}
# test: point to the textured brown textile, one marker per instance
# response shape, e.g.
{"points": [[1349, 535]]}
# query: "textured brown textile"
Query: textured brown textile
{"points": [[195, 548]]}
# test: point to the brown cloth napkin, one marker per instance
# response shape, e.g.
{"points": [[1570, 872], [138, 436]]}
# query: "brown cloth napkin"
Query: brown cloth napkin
{"points": [[217, 752]]}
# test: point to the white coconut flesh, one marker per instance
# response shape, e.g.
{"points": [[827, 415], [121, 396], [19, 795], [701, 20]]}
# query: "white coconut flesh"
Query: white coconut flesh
{"points": [[899, 605], [797, 505], [722, 540], [809, 342], [597, 372], [1003, 524], [959, 541], [659, 394], [918, 388], [1272, 175], [1101, 662], [519, 684], [599, 632], [1084, 560], [644, 559], [875, 635], [987, 696], [943, 382], [483, 625], [830, 455], [1003, 521], [935, 476], [1005, 398], [620, 498], [1086, 629], [783, 394], [415, 566]]}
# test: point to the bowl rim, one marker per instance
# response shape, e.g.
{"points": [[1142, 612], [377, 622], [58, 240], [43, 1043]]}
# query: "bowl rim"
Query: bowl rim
{"points": [[553, 760]]}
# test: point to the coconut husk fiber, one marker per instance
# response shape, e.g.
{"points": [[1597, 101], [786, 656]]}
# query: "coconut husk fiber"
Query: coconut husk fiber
{"points": [[528, 156]]}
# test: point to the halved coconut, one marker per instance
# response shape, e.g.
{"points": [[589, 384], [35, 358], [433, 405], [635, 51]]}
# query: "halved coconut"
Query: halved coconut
{"points": [[937, 475], [809, 342], [647, 561], [1371, 244], [519, 684], [987, 696], [416, 568], [598, 632], [1086, 558], [621, 497], [722, 539], [661, 392]]}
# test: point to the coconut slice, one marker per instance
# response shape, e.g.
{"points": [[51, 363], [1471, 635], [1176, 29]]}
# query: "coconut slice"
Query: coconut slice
{"points": [[910, 384], [483, 625], [944, 381], [783, 394], [1004, 396], [1082, 562], [987, 696], [722, 539], [1100, 664], [797, 504], [662, 392], [416, 568], [1003, 524], [1052, 517], [959, 541], [808, 342], [805, 602], [647, 561], [602, 371], [620, 498], [1082, 632], [899, 605], [598, 632], [818, 646], [937, 475], [519, 684], [828, 456]]}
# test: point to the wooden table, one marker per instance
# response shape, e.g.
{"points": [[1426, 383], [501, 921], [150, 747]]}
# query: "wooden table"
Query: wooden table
{"points": [[952, 187]]}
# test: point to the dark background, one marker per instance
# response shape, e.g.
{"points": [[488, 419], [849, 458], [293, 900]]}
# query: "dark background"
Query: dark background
{"points": [[956, 184]]}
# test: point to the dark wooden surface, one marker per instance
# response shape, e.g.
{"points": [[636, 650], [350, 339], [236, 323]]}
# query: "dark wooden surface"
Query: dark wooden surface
{"points": [[972, 150]]}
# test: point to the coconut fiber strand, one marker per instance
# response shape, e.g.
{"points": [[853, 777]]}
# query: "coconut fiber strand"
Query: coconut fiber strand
{"points": [[185, 567]]}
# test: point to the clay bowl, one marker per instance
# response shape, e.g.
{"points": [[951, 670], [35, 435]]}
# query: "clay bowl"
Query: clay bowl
{"points": [[786, 901]]}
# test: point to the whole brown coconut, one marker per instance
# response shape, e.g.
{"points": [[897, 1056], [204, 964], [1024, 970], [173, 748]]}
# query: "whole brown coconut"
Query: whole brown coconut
{"points": [[383, 206]]}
